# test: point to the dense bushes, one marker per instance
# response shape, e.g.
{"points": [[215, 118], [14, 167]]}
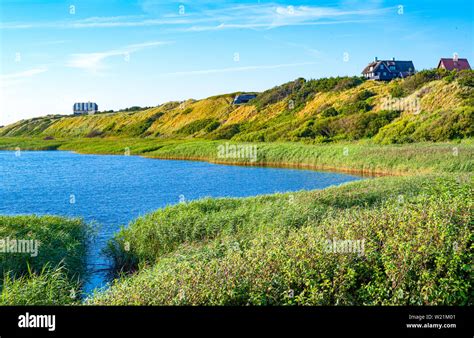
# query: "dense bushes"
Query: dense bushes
{"points": [[412, 83], [346, 127], [311, 87], [198, 125], [329, 112], [274, 250], [442, 126], [276, 94], [466, 78], [408, 85], [366, 125], [396, 90], [139, 128], [226, 132], [300, 90]]}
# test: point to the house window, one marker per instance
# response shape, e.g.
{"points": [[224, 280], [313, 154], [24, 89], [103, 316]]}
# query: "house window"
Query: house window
{"points": [[392, 67], [381, 66]]}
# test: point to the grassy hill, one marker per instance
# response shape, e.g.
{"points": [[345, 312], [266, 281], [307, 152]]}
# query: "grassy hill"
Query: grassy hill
{"points": [[429, 106]]}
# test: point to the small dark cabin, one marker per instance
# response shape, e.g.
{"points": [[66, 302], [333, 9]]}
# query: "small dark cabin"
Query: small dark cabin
{"points": [[244, 98]]}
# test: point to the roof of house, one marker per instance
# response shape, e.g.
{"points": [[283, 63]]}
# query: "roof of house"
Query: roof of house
{"points": [[400, 66], [244, 98], [450, 64]]}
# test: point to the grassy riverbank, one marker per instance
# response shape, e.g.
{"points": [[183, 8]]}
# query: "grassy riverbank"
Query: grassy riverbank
{"points": [[357, 157], [273, 250], [42, 259]]}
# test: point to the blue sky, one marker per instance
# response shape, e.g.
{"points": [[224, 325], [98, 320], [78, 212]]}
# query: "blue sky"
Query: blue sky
{"points": [[125, 53]]}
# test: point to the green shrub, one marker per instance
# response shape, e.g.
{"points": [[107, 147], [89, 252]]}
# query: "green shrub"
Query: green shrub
{"points": [[363, 95], [301, 90], [329, 112], [212, 126], [198, 125], [466, 78], [442, 126], [226, 132], [399, 131], [139, 128], [355, 107], [277, 94], [397, 91], [348, 83], [416, 81], [468, 97], [306, 130]]}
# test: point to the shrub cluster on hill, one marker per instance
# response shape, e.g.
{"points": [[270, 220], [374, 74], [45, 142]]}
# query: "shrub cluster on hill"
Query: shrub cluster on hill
{"points": [[442, 126], [207, 125], [355, 119], [301, 90]]}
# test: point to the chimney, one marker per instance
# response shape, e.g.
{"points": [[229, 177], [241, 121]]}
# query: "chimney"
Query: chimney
{"points": [[455, 57], [375, 59], [393, 59]]}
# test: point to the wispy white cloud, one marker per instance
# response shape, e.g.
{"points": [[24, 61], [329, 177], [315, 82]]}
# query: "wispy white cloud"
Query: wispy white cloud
{"points": [[237, 69], [95, 22], [50, 42], [10, 79], [274, 16], [243, 16], [266, 26], [93, 62]]}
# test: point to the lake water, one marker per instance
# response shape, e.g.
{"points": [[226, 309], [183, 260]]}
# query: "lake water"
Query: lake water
{"points": [[113, 190]]}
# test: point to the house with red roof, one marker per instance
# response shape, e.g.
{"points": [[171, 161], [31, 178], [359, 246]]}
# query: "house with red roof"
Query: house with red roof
{"points": [[454, 63]]}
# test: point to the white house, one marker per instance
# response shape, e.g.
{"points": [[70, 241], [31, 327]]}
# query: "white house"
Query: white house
{"points": [[85, 108]]}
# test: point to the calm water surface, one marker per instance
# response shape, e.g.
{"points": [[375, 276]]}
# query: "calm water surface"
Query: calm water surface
{"points": [[113, 190]]}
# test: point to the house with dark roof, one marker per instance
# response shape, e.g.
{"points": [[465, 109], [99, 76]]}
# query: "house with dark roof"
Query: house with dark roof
{"points": [[454, 63], [386, 70], [244, 98]]}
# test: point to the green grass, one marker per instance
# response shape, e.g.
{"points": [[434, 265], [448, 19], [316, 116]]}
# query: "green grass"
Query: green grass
{"points": [[362, 157], [270, 250], [58, 264], [50, 286]]}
